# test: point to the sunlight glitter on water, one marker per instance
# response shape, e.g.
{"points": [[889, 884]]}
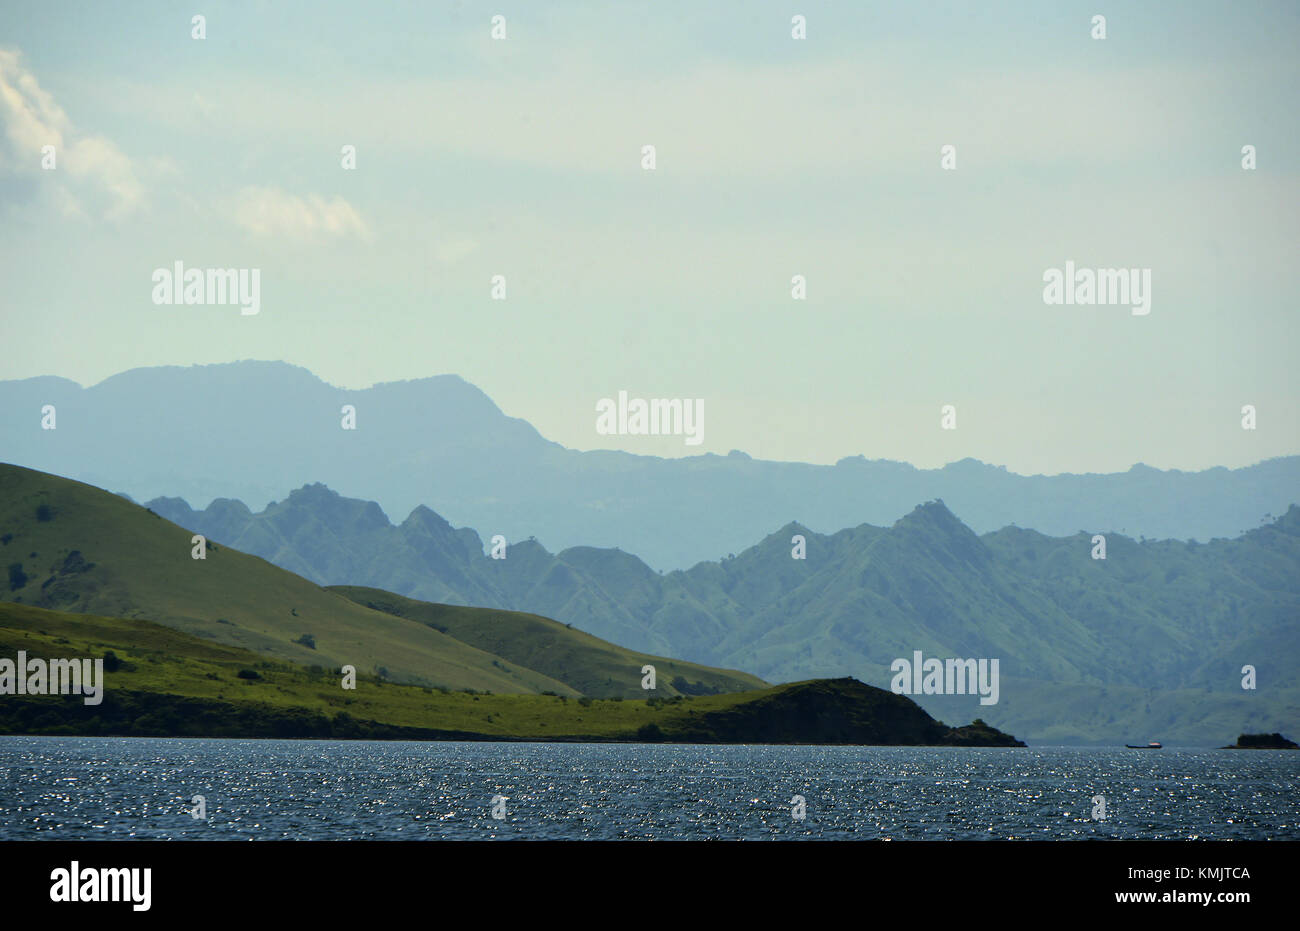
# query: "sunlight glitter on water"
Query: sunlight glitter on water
{"points": [[98, 788]]}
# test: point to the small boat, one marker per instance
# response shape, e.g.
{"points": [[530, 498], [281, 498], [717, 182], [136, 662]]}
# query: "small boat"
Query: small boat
{"points": [[1154, 745]]}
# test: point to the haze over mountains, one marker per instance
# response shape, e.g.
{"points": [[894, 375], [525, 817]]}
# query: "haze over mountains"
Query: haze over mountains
{"points": [[254, 431], [1150, 640]]}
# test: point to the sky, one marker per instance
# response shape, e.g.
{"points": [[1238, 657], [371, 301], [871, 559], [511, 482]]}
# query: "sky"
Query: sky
{"points": [[775, 157]]}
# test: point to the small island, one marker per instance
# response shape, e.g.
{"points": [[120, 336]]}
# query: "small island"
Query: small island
{"points": [[1262, 742]]}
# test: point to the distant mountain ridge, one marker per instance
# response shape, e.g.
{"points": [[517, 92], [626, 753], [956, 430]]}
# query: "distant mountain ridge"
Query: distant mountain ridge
{"points": [[253, 431], [1150, 640]]}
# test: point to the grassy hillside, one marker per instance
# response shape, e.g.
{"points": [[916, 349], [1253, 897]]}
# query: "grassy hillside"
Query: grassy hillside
{"points": [[168, 683], [592, 666], [71, 547]]}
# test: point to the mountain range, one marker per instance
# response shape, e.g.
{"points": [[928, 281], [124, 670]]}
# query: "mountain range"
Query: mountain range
{"points": [[191, 638], [1150, 640], [254, 431]]}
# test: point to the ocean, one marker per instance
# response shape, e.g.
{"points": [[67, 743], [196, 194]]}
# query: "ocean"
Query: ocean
{"points": [[92, 788]]}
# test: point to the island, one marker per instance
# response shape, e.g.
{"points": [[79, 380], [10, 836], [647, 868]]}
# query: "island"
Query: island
{"points": [[1262, 742]]}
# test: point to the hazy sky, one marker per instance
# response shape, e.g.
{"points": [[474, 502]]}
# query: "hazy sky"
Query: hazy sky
{"points": [[775, 157]]}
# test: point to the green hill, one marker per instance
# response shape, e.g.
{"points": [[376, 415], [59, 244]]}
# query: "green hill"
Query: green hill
{"points": [[590, 665], [162, 682], [74, 548]]}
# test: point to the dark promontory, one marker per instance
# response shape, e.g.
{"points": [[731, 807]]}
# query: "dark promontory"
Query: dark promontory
{"points": [[1262, 742]]}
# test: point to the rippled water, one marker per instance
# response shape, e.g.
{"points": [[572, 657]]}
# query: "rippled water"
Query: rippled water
{"points": [[98, 788]]}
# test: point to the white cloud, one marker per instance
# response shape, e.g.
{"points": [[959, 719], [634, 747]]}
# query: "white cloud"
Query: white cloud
{"points": [[270, 211], [32, 119]]}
